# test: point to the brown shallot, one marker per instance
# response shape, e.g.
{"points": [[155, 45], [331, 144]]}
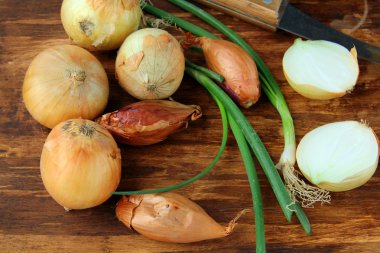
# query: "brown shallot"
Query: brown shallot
{"points": [[237, 68], [170, 217], [148, 122]]}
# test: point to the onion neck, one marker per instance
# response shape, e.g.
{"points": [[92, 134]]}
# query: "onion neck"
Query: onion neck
{"points": [[76, 77]]}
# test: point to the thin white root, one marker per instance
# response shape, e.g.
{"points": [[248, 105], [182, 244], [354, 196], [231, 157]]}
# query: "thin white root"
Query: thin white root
{"points": [[159, 23], [362, 19], [307, 195]]}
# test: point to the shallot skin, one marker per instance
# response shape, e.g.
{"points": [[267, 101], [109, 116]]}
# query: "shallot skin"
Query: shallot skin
{"points": [[169, 217], [148, 122]]}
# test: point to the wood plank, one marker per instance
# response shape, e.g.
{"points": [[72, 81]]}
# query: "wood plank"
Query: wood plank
{"points": [[30, 221]]}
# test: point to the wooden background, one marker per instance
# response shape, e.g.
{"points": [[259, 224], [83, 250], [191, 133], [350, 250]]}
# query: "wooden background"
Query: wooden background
{"points": [[30, 221]]}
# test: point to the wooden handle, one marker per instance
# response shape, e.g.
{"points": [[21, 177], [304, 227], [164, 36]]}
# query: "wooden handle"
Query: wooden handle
{"points": [[265, 13]]}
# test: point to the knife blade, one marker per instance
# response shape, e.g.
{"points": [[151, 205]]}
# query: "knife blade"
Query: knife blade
{"points": [[278, 14]]}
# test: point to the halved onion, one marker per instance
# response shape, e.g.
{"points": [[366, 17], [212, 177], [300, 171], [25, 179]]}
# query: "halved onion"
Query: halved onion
{"points": [[339, 156], [320, 69]]}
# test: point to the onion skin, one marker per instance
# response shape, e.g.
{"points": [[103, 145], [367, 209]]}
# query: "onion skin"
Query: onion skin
{"points": [[100, 24], [80, 164], [148, 122], [236, 66], [65, 82], [150, 64], [169, 217]]}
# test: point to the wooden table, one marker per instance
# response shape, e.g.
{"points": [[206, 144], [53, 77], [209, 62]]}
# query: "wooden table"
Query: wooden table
{"points": [[30, 221]]}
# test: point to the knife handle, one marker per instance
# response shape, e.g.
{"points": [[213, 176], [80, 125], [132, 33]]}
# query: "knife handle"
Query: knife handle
{"points": [[264, 13]]}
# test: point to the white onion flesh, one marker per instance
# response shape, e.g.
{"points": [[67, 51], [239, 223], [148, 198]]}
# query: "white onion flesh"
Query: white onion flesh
{"points": [[150, 64], [100, 24], [320, 69], [339, 156]]}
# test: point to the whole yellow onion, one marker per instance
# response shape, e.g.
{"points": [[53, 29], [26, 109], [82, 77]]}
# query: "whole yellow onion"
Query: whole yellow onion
{"points": [[150, 64], [100, 24], [80, 164], [65, 82]]}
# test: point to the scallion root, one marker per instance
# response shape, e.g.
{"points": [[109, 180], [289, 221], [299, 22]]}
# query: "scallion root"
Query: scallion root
{"points": [[163, 23], [306, 194]]}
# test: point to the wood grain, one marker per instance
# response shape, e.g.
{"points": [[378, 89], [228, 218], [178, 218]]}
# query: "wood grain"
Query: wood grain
{"points": [[258, 12], [30, 221]]}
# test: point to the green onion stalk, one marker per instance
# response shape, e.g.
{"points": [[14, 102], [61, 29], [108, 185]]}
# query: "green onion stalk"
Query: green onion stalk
{"points": [[246, 156], [253, 182], [288, 206], [298, 189]]}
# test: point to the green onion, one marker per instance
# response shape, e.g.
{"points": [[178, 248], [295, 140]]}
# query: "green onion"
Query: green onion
{"points": [[297, 188], [272, 174], [270, 88], [253, 182], [252, 138], [248, 164], [287, 205], [206, 71], [201, 174]]}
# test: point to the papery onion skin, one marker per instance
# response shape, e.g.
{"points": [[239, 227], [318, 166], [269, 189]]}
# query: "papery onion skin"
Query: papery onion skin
{"points": [[65, 82], [320, 69], [169, 217], [100, 24], [80, 164], [150, 64], [148, 122], [339, 156], [236, 66]]}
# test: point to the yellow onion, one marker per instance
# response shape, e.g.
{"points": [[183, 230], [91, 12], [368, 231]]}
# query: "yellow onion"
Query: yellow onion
{"points": [[150, 64], [320, 69], [148, 122], [100, 24], [65, 82], [339, 156], [237, 68], [170, 217], [80, 164]]}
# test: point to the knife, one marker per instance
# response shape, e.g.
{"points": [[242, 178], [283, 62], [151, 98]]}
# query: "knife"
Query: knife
{"points": [[274, 14]]}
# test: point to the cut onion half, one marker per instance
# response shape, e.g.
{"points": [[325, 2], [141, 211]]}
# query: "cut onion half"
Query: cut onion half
{"points": [[320, 69], [339, 156]]}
